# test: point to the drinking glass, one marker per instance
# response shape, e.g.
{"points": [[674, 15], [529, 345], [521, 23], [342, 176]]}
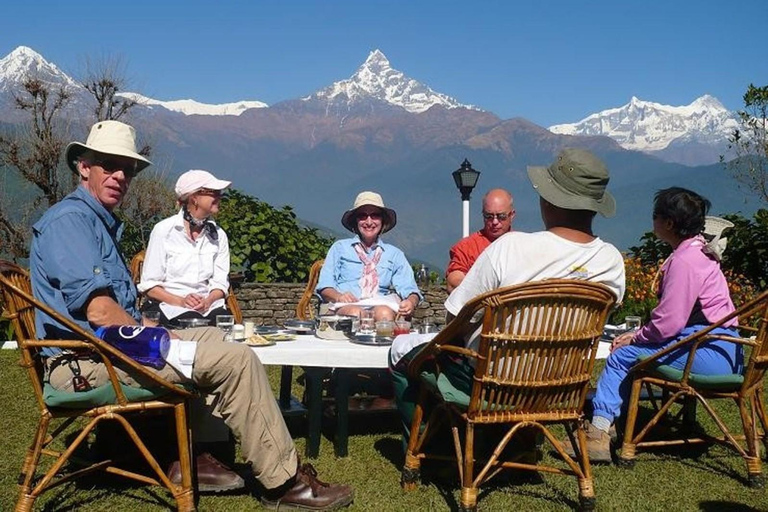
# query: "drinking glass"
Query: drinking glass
{"points": [[633, 323], [367, 325], [150, 318], [226, 323]]}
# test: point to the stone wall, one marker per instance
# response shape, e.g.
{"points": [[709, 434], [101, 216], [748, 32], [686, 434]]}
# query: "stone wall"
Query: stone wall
{"points": [[273, 303]]}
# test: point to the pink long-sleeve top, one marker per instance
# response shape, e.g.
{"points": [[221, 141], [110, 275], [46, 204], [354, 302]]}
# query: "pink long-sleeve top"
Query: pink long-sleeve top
{"points": [[693, 291]]}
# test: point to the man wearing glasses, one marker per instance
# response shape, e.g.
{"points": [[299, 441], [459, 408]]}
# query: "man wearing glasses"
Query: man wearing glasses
{"points": [[497, 220], [76, 268]]}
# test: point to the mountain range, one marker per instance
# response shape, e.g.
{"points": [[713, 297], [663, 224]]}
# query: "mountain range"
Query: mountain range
{"points": [[381, 130]]}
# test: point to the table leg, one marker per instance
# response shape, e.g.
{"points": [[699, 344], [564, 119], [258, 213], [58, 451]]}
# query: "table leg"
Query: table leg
{"points": [[286, 378], [341, 440], [314, 383]]}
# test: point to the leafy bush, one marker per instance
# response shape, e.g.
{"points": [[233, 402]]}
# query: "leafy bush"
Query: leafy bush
{"points": [[267, 243]]}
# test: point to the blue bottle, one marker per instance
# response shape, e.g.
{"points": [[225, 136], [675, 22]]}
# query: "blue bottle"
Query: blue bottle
{"points": [[146, 345]]}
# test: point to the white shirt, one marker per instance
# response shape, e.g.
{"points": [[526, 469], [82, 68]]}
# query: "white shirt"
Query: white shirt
{"points": [[182, 265], [517, 257]]}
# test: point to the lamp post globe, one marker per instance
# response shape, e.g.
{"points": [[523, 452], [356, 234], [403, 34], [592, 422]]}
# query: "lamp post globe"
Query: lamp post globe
{"points": [[465, 178]]}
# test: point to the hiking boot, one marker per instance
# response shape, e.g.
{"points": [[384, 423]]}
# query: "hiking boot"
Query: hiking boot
{"points": [[212, 475], [598, 444], [306, 492]]}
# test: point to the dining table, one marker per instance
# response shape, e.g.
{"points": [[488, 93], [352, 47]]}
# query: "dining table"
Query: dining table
{"points": [[317, 357]]}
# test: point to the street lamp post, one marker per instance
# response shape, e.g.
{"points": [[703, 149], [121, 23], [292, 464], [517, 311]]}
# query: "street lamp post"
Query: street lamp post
{"points": [[465, 178]]}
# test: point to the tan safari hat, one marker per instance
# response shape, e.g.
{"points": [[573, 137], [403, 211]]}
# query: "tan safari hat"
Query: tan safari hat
{"points": [[109, 138], [389, 217]]}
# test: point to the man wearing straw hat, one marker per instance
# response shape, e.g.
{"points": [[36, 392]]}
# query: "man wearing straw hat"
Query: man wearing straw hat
{"points": [[77, 269]]}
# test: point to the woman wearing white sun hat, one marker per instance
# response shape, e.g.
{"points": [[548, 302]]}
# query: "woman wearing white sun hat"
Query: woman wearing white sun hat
{"points": [[186, 267]]}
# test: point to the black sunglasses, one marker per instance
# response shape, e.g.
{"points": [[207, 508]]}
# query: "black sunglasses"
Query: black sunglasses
{"points": [[129, 168], [500, 216]]}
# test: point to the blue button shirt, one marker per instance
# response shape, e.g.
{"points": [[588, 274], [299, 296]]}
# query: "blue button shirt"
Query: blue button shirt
{"points": [[74, 254], [342, 270]]}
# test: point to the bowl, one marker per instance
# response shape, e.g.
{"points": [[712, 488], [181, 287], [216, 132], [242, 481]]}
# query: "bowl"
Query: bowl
{"points": [[189, 323], [341, 323], [299, 325]]}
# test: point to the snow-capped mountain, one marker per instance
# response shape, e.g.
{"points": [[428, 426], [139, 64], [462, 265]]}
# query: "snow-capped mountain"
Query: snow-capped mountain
{"points": [[653, 127], [190, 106], [24, 62], [378, 80]]}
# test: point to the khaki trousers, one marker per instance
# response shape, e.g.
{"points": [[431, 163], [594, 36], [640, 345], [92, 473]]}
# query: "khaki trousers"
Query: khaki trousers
{"points": [[244, 399]]}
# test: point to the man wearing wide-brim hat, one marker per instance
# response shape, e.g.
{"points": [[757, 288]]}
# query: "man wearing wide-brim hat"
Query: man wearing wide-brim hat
{"points": [[571, 191], [77, 269]]}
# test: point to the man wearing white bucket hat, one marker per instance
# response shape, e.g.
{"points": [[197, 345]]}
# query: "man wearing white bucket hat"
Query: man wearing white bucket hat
{"points": [[76, 269]]}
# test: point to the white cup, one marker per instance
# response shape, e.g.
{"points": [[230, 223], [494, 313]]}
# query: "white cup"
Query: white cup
{"points": [[248, 329]]}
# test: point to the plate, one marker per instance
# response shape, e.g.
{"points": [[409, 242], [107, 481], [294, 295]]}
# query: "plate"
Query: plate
{"points": [[266, 329], [279, 337], [258, 341], [372, 340]]}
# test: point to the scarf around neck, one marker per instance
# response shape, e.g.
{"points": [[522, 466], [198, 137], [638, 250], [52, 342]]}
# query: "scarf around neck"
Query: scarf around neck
{"points": [[209, 228], [369, 280]]}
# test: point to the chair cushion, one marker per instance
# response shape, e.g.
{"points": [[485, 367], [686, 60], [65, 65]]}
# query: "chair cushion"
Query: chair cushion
{"points": [[102, 395], [450, 392], [722, 382]]}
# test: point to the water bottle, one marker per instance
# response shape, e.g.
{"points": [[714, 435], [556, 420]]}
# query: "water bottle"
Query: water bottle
{"points": [[146, 345], [422, 276]]}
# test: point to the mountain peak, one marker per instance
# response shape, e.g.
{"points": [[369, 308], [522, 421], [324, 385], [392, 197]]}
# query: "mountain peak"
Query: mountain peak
{"points": [[24, 61], [647, 126], [376, 79]]}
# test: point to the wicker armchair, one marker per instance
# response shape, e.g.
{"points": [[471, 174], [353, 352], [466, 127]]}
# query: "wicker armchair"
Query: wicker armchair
{"points": [[111, 402], [746, 389], [305, 310], [137, 263], [533, 366]]}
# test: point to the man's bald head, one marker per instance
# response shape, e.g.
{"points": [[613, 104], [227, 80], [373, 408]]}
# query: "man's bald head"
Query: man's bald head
{"points": [[497, 213]]}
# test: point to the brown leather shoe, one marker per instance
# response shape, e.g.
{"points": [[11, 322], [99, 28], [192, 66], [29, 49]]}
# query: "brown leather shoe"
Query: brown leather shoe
{"points": [[309, 493], [212, 475]]}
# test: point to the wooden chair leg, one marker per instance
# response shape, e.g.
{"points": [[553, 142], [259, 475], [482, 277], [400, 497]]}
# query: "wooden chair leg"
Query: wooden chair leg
{"points": [[27, 497], [185, 495], [763, 417], [749, 427], [586, 486], [468, 489], [627, 455], [411, 474]]}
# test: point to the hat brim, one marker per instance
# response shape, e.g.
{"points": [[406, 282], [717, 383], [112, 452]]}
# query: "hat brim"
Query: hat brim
{"points": [[389, 218], [553, 193], [75, 149]]}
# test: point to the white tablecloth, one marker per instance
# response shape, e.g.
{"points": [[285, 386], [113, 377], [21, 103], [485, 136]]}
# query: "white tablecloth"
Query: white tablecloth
{"points": [[309, 350]]}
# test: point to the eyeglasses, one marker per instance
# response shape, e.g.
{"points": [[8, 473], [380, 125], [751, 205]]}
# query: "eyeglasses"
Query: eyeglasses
{"points": [[365, 215], [129, 167], [501, 217]]}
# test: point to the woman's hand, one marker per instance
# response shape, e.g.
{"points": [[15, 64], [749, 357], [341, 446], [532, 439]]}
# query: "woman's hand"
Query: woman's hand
{"points": [[406, 307], [193, 301], [622, 340], [346, 297]]}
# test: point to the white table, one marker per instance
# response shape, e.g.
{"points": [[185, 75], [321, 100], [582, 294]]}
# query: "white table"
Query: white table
{"points": [[316, 356]]}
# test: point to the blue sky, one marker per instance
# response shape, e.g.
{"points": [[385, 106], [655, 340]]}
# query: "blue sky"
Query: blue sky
{"points": [[547, 61]]}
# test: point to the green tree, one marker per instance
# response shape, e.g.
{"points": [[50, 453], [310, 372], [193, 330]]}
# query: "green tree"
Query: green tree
{"points": [[267, 243], [749, 143]]}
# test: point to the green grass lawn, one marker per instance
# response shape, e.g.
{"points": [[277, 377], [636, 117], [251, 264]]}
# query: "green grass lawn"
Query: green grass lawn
{"points": [[709, 480]]}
